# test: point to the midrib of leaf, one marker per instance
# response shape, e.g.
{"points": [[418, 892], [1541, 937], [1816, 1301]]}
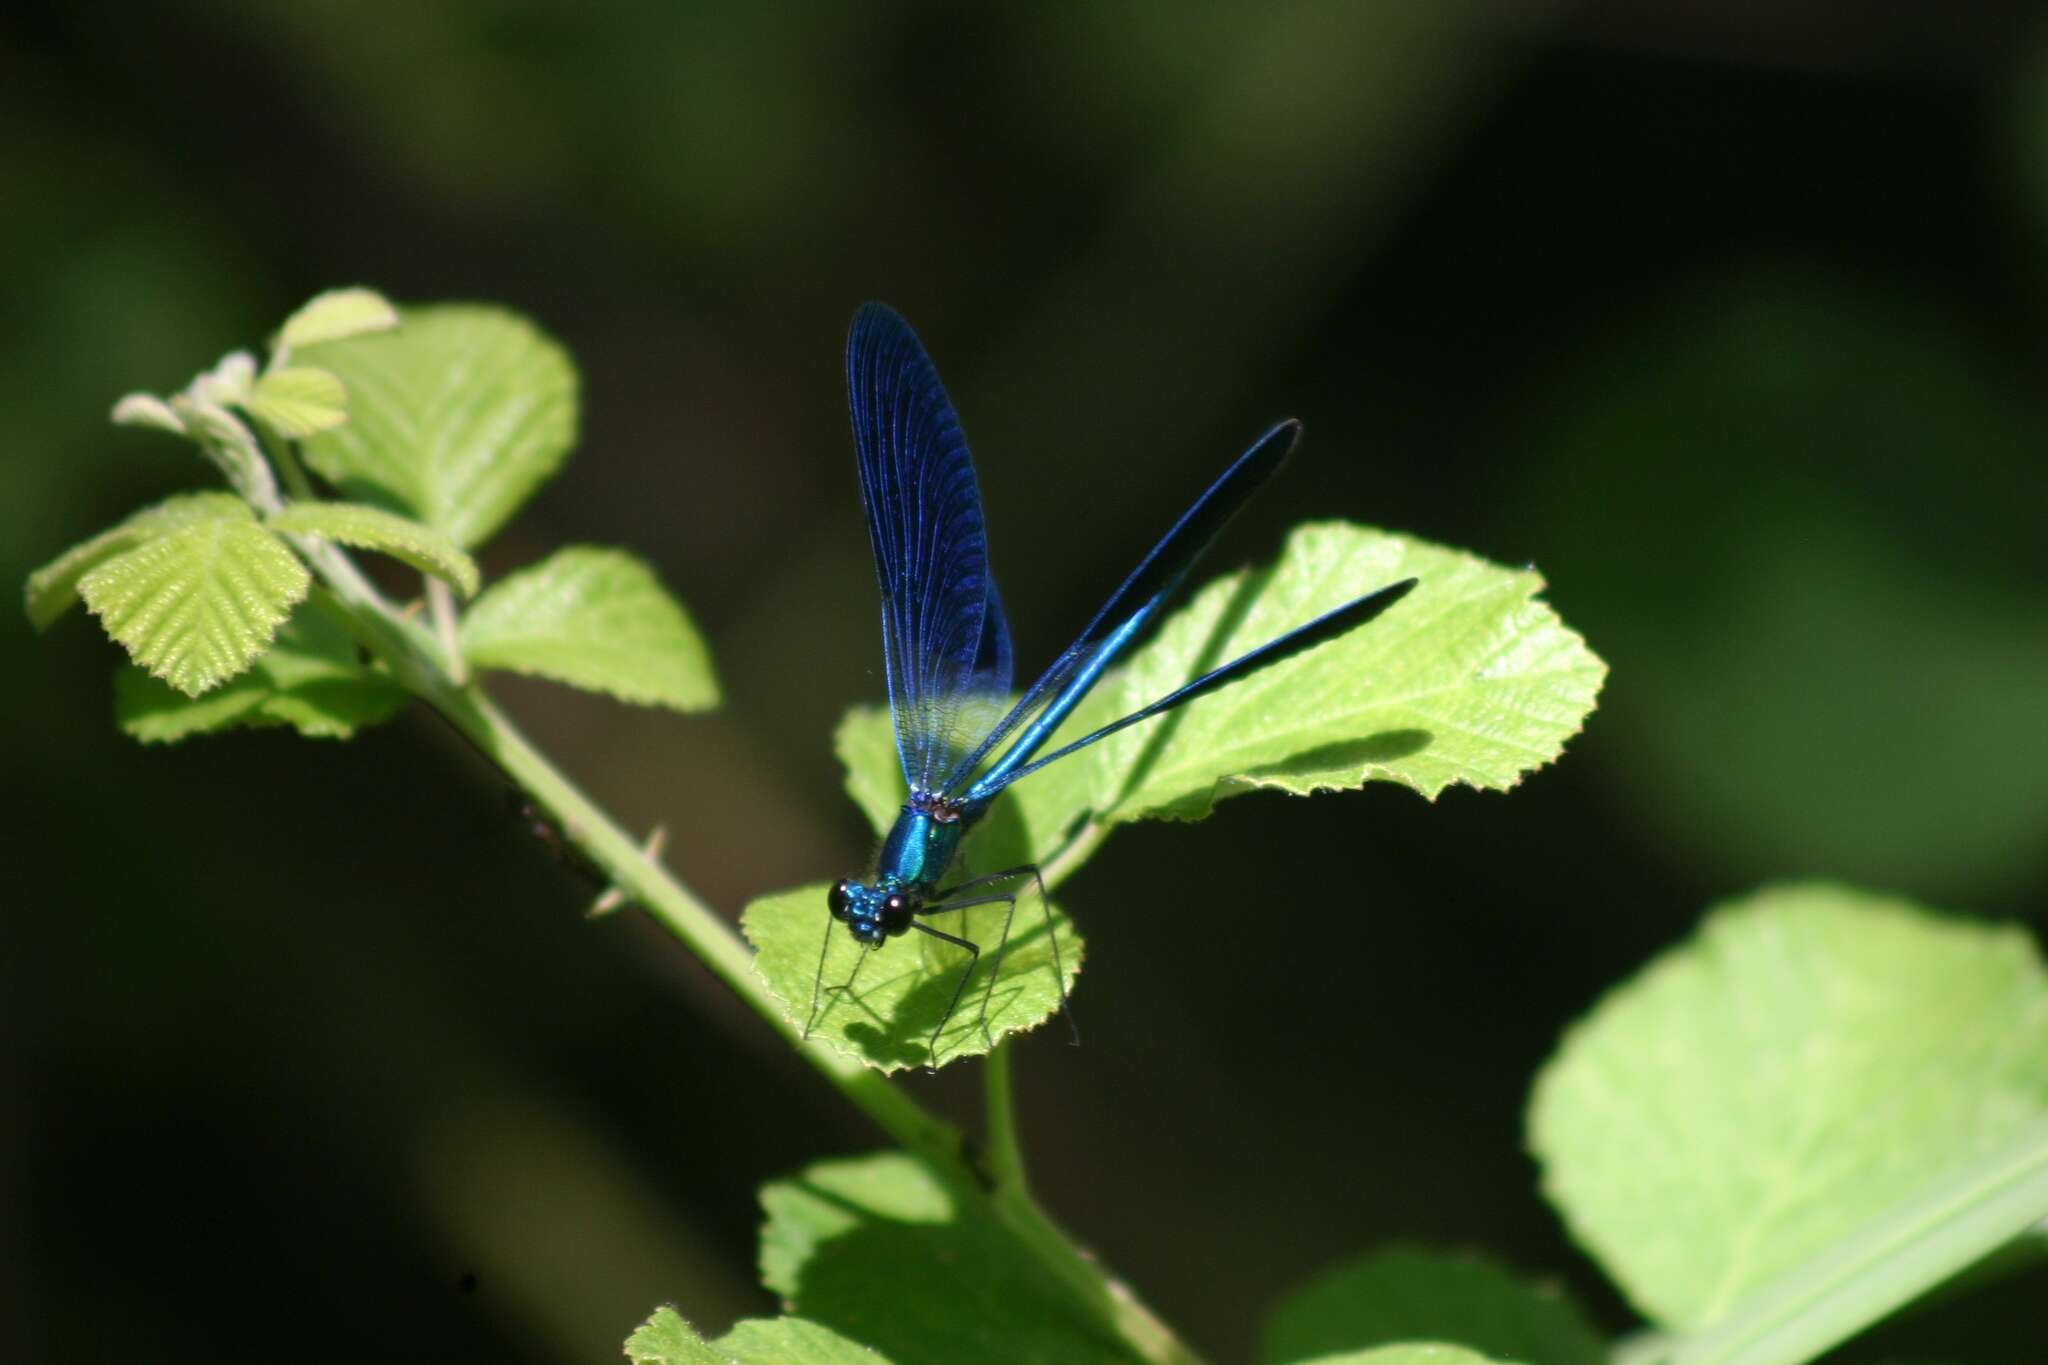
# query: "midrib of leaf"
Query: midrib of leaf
{"points": [[1884, 1264], [377, 393], [519, 410]]}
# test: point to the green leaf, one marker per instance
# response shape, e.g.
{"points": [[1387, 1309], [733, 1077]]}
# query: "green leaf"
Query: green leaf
{"points": [[1813, 1060], [373, 528], [335, 315], [311, 679], [1468, 680], [666, 1339], [1412, 1353], [227, 383], [886, 1018], [454, 419], [596, 619], [879, 1249], [198, 604], [1938, 1236], [1410, 1294], [792, 1341], [54, 587], [147, 410], [298, 401]]}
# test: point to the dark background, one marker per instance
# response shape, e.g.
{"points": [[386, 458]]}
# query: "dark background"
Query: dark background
{"points": [[1729, 319]]}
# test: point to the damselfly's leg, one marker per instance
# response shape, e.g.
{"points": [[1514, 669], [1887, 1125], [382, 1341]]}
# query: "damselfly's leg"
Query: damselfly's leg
{"points": [[839, 989], [951, 900], [973, 956], [818, 981]]}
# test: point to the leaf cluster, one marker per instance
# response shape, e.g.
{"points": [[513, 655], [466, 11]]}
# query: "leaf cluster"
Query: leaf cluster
{"points": [[435, 425]]}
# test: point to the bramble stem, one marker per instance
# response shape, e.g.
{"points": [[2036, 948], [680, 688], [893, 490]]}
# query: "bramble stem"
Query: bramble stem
{"points": [[416, 658]]}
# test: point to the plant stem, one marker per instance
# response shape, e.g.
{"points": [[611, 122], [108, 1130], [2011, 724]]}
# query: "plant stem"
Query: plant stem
{"points": [[1003, 1153], [414, 656]]}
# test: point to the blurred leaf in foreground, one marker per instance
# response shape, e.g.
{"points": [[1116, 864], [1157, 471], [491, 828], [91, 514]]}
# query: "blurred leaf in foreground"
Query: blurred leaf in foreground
{"points": [[1812, 1057], [875, 1247], [1411, 1294]]}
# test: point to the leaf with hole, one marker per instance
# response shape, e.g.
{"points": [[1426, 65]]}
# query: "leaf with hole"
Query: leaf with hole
{"points": [[198, 603], [455, 419], [373, 528], [596, 619]]}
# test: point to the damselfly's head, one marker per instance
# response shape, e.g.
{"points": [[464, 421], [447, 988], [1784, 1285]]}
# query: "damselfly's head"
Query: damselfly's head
{"points": [[872, 914]]}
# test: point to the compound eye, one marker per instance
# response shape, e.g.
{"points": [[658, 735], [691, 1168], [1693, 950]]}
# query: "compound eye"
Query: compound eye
{"points": [[835, 899], [896, 912]]}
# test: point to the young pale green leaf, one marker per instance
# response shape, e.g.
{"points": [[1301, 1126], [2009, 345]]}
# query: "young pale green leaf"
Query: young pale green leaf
{"points": [[298, 401], [885, 1017], [227, 383], [596, 619], [198, 604], [1764, 1094], [373, 528], [1470, 679], [1411, 1294], [666, 1339], [455, 418], [147, 410], [335, 315], [54, 587], [311, 679], [1411, 1353], [840, 1236]]}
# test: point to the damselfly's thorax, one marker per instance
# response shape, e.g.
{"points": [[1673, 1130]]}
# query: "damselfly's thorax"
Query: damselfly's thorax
{"points": [[945, 810]]}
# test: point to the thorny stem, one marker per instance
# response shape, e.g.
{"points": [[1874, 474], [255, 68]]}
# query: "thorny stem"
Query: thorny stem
{"points": [[416, 658]]}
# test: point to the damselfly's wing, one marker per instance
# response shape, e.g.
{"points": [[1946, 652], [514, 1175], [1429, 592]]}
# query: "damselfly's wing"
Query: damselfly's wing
{"points": [[1128, 612], [945, 644]]}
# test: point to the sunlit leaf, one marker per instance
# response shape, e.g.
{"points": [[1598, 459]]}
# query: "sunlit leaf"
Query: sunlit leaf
{"points": [[198, 604], [1469, 680], [298, 401], [54, 587], [887, 1015], [147, 410], [878, 1249], [337, 314], [666, 1339], [454, 419], [597, 619], [310, 679], [1812, 1059], [1410, 1294], [1411, 1353], [227, 383], [373, 528]]}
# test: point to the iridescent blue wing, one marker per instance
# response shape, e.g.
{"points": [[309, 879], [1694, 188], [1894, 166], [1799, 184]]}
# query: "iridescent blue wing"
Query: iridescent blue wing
{"points": [[1130, 610], [945, 644]]}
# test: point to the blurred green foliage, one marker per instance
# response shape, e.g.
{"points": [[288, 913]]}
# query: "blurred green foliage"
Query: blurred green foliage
{"points": [[1730, 324]]}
